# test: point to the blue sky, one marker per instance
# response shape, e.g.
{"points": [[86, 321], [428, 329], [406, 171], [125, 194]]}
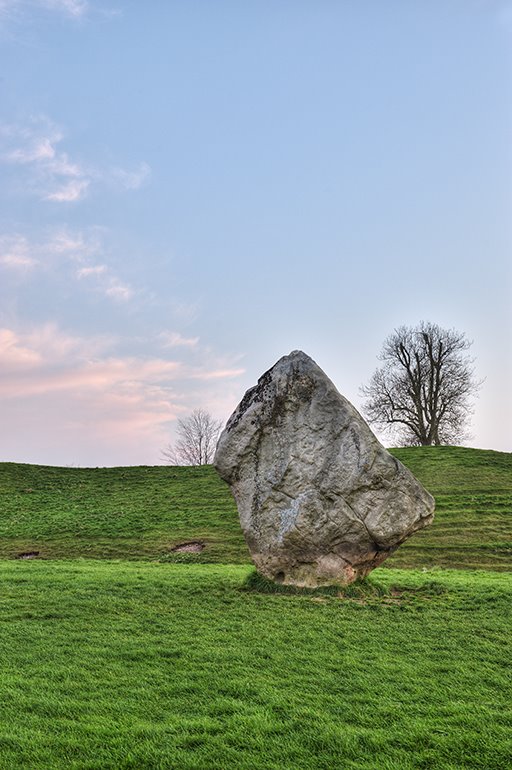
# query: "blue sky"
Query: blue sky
{"points": [[190, 190]]}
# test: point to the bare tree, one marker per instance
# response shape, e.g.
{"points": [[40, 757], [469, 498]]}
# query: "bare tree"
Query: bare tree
{"points": [[196, 442], [422, 392]]}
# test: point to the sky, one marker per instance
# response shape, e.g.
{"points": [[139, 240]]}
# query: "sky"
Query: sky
{"points": [[190, 190]]}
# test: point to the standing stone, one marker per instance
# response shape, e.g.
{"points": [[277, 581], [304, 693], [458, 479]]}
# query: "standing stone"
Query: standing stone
{"points": [[320, 499]]}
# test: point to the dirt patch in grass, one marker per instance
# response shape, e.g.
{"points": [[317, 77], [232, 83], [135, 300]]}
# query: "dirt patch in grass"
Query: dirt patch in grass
{"points": [[27, 555], [192, 546]]}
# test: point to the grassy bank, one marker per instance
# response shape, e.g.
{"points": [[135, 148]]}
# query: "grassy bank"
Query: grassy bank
{"points": [[140, 666], [143, 512], [134, 512]]}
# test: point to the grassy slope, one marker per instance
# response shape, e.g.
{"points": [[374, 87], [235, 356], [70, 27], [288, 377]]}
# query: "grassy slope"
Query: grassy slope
{"points": [[473, 523], [116, 512], [143, 512], [146, 666]]}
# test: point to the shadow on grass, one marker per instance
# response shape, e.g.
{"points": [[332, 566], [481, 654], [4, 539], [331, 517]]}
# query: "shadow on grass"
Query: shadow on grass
{"points": [[369, 588], [359, 589]]}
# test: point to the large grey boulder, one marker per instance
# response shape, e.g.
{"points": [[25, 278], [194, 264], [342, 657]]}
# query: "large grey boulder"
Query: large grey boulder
{"points": [[320, 499]]}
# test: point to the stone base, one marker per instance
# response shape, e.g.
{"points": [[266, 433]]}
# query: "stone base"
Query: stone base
{"points": [[330, 569]]}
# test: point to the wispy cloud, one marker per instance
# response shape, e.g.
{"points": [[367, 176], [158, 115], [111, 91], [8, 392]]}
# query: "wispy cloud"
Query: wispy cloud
{"points": [[185, 312], [18, 10], [132, 180], [51, 174], [118, 291], [77, 245], [74, 8], [15, 253], [85, 249], [37, 150], [62, 246], [93, 270], [71, 191], [177, 340]]}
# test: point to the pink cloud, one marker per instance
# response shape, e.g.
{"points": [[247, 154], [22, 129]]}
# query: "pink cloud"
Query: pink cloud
{"points": [[219, 374], [57, 347], [113, 374], [14, 355], [70, 396]]}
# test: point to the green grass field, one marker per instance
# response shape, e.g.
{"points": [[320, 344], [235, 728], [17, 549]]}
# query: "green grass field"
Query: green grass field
{"points": [[112, 656]]}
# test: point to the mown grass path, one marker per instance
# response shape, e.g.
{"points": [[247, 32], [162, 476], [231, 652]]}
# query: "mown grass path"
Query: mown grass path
{"points": [[140, 666]]}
